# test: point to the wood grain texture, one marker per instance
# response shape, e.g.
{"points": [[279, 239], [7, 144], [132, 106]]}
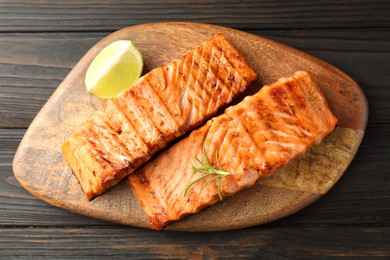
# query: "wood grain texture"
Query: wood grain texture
{"points": [[34, 71], [69, 106], [254, 243], [95, 15]]}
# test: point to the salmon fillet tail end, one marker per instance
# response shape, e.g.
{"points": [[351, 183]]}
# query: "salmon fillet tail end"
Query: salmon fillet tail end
{"points": [[250, 140], [159, 107]]}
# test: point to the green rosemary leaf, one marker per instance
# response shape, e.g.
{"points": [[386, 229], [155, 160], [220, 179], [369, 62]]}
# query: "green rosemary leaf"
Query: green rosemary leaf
{"points": [[219, 187], [200, 162], [207, 170], [204, 185], [195, 181]]}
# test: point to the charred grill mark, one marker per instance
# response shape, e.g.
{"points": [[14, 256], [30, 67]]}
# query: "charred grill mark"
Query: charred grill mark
{"points": [[299, 100], [143, 179], [155, 139], [226, 145], [196, 72], [162, 103], [186, 101], [266, 168], [213, 82], [170, 93], [154, 111], [247, 128], [216, 134], [223, 72], [111, 148], [206, 87], [138, 134], [246, 142], [186, 97], [98, 152], [115, 140], [233, 82], [220, 83], [197, 87], [237, 61], [292, 111], [278, 93]]}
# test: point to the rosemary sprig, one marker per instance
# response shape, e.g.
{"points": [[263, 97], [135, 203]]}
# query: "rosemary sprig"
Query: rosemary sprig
{"points": [[207, 170]]}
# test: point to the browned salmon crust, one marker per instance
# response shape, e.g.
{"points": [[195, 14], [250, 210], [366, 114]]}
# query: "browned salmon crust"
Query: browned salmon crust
{"points": [[159, 107], [253, 139]]}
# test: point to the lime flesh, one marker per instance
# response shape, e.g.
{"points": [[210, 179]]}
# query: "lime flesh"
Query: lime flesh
{"points": [[114, 69]]}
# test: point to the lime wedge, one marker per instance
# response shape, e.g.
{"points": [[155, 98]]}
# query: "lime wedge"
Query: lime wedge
{"points": [[114, 69]]}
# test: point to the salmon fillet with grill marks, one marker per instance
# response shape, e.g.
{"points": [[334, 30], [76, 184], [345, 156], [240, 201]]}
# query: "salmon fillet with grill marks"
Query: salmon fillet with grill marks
{"points": [[253, 139], [159, 107]]}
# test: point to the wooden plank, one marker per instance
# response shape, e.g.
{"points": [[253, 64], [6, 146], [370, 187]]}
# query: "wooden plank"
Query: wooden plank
{"points": [[94, 15], [264, 243], [357, 199], [32, 72]]}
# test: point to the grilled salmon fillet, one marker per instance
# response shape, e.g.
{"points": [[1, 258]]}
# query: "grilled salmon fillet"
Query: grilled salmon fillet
{"points": [[159, 107], [252, 140]]}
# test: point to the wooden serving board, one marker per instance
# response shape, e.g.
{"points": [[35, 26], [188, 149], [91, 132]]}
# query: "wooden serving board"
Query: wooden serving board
{"points": [[41, 169]]}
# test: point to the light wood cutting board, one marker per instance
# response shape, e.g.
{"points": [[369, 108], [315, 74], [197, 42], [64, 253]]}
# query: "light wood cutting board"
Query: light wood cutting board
{"points": [[41, 169]]}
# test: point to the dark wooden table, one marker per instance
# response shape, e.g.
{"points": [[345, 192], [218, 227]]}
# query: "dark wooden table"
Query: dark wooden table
{"points": [[40, 41]]}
